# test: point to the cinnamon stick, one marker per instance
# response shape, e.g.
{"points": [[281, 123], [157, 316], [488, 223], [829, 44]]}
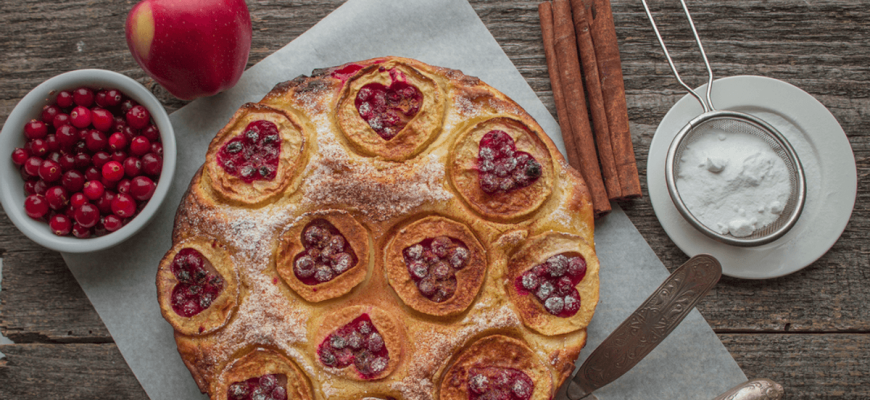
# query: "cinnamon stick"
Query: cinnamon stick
{"points": [[596, 101], [613, 88], [545, 11], [571, 81]]}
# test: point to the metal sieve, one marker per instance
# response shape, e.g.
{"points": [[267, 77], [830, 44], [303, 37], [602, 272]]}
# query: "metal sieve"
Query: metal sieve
{"points": [[730, 122]]}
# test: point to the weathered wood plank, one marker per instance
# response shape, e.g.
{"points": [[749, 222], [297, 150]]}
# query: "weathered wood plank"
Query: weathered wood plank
{"points": [[829, 366], [68, 371]]}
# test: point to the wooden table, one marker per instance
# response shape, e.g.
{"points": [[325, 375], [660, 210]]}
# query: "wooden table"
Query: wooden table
{"points": [[810, 330]]}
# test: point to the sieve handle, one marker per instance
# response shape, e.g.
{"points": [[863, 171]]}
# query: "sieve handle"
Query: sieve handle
{"points": [[708, 106]]}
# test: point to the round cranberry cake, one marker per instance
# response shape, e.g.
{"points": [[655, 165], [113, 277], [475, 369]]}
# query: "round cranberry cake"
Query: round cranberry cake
{"points": [[381, 229]]}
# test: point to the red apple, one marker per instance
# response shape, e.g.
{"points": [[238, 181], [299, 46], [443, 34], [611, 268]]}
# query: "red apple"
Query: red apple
{"points": [[193, 48]]}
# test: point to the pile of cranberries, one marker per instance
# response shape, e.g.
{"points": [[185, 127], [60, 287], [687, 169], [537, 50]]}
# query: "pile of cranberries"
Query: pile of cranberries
{"points": [[387, 109], [499, 383], [266, 387], [198, 284], [91, 162], [501, 168], [326, 256], [433, 263], [554, 283], [358, 343]]}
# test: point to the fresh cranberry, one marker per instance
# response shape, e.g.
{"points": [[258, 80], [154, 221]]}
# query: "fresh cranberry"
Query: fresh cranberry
{"points": [[77, 199], [73, 181], [64, 99], [358, 343], [60, 120], [152, 164], [142, 188], [57, 197], [119, 124], [197, 286], [140, 145], [25, 176], [67, 162], [157, 148], [49, 171], [113, 97], [83, 97], [138, 117], [127, 105], [112, 222], [87, 215], [40, 187], [388, 109], [60, 224], [113, 171], [96, 140], [20, 156], [123, 186], [48, 113], [152, 133], [82, 161], [80, 117], [105, 202], [54, 156], [52, 142], [100, 99], [124, 205], [501, 168], [266, 387], [32, 165], [132, 166], [29, 187], [118, 141], [67, 136], [554, 283], [35, 129], [38, 147], [35, 206], [80, 231], [93, 190], [102, 119], [100, 159], [93, 174], [109, 184]]}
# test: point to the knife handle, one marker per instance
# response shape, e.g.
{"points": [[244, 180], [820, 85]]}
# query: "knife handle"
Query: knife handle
{"points": [[756, 389], [648, 326]]}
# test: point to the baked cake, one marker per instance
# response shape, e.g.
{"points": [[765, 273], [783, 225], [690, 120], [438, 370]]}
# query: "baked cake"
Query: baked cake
{"points": [[381, 229]]}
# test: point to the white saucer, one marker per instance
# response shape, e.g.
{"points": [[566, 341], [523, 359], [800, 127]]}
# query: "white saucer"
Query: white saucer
{"points": [[824, 152]]}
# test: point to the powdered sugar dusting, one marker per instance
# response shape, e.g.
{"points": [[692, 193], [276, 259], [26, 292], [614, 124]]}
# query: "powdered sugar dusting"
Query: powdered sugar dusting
{"points": [[381, 190]]}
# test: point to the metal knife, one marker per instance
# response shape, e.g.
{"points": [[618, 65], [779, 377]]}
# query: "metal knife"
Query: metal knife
{"points": [[648, 326]]}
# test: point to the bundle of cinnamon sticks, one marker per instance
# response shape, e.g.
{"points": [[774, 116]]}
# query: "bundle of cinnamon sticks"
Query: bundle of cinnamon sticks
{"points": [[583, 60]]}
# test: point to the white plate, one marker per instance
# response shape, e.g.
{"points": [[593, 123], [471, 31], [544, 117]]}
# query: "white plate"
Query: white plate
{"points": [[824, 152]]}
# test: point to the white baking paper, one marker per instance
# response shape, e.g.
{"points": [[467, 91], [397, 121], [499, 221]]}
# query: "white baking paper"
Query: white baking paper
{"points": [[120, 282]]}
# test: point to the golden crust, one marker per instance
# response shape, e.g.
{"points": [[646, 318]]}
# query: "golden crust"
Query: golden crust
{"points": [[496, 351], [290, 245], [420, 130], [234, 190], [261, 362], [536, 251], [469, 279], [383, 196], [390, 329], [500, 206], [222, 307]]}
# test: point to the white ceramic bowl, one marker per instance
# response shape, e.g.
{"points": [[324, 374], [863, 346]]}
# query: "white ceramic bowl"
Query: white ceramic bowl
{"points": [[12, 193]]}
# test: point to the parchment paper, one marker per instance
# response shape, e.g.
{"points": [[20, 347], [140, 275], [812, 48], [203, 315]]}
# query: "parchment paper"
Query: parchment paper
{"points": [[690, 364]]}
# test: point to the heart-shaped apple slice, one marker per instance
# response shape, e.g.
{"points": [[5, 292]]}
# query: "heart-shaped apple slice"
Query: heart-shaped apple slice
{"points": [[387, 109], [253, 154]]}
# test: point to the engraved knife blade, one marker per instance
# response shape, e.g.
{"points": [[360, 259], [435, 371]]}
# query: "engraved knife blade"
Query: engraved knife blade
{"points": [[647, 326]]}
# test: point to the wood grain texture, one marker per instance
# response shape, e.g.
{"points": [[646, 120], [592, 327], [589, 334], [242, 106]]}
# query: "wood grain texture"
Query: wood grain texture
{"points": [[809, 331]]}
